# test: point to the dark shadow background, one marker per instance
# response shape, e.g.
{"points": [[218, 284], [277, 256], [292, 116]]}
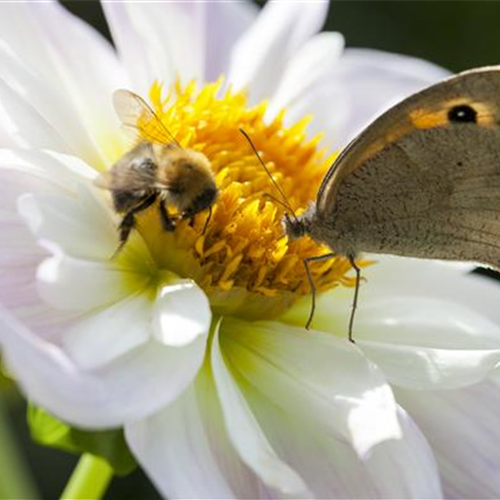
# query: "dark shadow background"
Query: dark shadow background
{"points": [[454, 34]]}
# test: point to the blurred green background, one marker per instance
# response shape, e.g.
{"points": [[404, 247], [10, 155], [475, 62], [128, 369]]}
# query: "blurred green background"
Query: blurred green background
{"points": [[454, 34]]}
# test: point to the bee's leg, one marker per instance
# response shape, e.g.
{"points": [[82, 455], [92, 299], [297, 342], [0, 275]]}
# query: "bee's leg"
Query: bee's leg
{"points": [[125, 227], [189, 214], [208, 219], [128, 222], [167, 223]]}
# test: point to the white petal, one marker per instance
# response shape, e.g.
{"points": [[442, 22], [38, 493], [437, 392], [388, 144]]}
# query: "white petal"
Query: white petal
{"points": [[246, 434], [421, 368], [426, 340], [90, 92], [392, 276], [39, 44], [60, 171], [405, 468], [158, 41], [362, 85], [224, 23], [49, 102], [132, 49], [24, 125], [109, 333], [428, 344], [260, 56], [185, 450], [42, 44], [82, 227], [417, 341], [181, 313], [150, 52], [18, 292], [73, 284], [463, 428], [399, 468], [21, 255], [323, 378], [315, 58], [130, 388], [19, 260], [54, 176], [69, 211]]}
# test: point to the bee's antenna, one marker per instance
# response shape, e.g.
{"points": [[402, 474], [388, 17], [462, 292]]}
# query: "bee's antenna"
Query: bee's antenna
{"points": [[276, 185]]}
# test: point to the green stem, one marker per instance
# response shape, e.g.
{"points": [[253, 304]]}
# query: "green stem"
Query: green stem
{"points": [[89, 480], [15, 478]]}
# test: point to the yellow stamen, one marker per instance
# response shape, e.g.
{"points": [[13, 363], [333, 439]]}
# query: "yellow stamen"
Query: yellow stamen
{"points": [[243, 261]]}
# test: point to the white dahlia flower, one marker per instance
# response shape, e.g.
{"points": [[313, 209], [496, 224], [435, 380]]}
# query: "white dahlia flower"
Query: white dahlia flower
{"points": [[193, 340]]}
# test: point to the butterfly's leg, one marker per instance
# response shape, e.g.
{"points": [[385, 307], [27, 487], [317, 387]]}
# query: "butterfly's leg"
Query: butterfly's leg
{"points": [[306, 262], [128, 221], [357, 270], [167, 223]]}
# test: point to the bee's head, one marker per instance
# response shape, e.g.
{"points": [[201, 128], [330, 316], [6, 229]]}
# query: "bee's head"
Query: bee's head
{"points": [[205, 199], [186, 180]]}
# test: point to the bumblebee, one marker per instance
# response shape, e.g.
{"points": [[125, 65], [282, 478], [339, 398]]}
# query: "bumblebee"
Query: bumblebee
{"points": [[157, 168]]}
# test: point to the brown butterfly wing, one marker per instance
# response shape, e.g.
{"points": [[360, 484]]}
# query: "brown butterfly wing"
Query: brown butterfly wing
{"points": [[419, 183]]}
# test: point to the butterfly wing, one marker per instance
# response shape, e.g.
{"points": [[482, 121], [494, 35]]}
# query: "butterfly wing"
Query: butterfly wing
{"points": [[424, 179]]}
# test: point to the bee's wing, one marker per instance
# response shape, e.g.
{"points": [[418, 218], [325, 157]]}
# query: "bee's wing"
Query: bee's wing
{"points": [[134, 171], [419, 183], [135, 113], [124, 181]]}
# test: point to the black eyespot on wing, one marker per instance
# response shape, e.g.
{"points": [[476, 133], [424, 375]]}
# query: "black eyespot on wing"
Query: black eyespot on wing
{"points": [[462, 113]]}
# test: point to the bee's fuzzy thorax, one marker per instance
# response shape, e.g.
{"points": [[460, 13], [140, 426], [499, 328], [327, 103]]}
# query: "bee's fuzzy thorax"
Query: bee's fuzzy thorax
{"points": [[185, 175]]}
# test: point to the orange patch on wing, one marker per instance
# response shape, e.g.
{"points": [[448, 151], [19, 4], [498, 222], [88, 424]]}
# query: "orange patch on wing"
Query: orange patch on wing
{"points": [[390, 137], [426, 118]]}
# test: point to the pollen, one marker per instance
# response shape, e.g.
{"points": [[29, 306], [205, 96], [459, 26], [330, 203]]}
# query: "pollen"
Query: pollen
{"points": [[242, 258]]}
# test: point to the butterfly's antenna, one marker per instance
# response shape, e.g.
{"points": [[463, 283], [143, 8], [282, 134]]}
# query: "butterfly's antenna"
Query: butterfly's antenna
{"points": [[276, 185], [279, 202]]}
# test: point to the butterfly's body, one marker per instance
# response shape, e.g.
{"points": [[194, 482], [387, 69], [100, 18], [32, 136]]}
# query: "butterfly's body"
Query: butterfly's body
{"points": [[422, 181]]}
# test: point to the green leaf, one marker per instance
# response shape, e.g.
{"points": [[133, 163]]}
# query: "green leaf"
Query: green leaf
{"points": [[110, 445]]}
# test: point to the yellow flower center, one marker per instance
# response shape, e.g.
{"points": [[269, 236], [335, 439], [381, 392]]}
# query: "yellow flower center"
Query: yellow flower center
{"points": [[243, 260]]}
